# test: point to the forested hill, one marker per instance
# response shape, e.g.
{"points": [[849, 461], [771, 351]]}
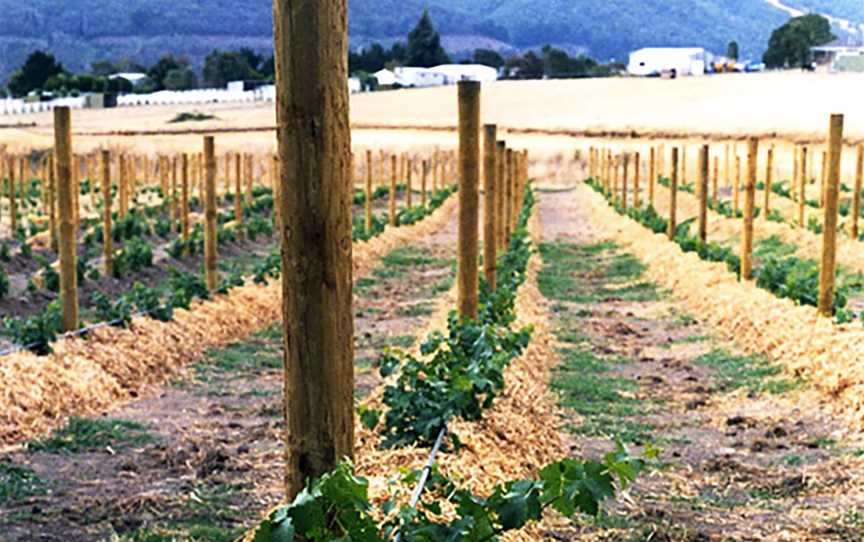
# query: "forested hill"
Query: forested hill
{"points": [[81, 31]]}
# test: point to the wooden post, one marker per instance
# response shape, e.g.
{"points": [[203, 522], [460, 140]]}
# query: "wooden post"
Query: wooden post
{"points": [[727, 165], [636, 172], [392, 201], [68, 243], [673, 195], [184, 197], [512, 180], [856, 193], [769, 180], [314, 147], [652, 177], [469, 176], [163, 177], [501, 193], [829, 232], [749, 205], [802, 188], [715, 180], [409, 169], [423, 178], [227, 173], [823, 185], [624, 177], [703, 193], [108, 241], [175, 208], [683, 179], [250, 178], [367, 203], [13, 208], [490, 220], [796, 161], [238, 189], [211, 273], [122, 187], [736, 188], [52, 203]]}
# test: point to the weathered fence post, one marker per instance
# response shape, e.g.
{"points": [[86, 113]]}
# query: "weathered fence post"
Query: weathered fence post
{"points": [[490, 238], [652, 176], [501, 194], [68, 243], [53, 221], [636, 173], [211, 276], [392, 202], [314, 138], [749, 205], [802, 187], [122, 187], [624, 177], [829, 232], [238, 190], [703, 193], [856, 193], [13, 208], [673, 195], [367, 203], [424, 175], [715, 181], [736, 188], [409, 170], [184, 197], [469, 176], [108, 241], [769, 181]]}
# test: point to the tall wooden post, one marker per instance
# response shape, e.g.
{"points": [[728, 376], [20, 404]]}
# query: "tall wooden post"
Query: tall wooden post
{"points": [[673, 195], [13, 208], [314, 147], [501, 194], [637, 171], [175, 208], [392, 196], [652, 177], [749, 205], [423, 179], [736, 188], [703, 193], [856, 193], [52, 203], [108, 241], [769, 181], [68, 243], [715, 180], [829, 232], [367, 203], [624, 179], [802, 187], [122, 188], [238, 189], [469, 176], [490, 220], [823, 185], [409, 170], [211, 273], [796, 161], [184, 197]]}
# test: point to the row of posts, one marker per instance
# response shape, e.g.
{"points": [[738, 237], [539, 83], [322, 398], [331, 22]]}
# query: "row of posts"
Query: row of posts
{"points": [[605, 166]]}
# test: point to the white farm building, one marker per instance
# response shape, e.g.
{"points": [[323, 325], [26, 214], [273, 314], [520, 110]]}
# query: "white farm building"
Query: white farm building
{"points": [[445, 74], [668, 60]]}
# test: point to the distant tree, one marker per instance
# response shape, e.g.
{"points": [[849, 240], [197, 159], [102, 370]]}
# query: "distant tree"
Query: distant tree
{"points": [[222, 67], [37, 69], [424, 45], [160, 70], [732, 50], [526, 66], [268, 68], [399, 54], [369, 59], [790, 45], [488, 57], [180, 79]]}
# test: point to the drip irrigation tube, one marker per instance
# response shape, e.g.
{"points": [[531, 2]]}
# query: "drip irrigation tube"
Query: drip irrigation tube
{"points": [[421, 484]]}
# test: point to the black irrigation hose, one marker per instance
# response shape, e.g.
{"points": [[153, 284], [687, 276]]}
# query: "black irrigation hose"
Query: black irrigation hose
{"points": [[421, 484]]}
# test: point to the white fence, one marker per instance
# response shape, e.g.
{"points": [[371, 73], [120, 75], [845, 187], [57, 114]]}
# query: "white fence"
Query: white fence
{"points": [[12, 106]]}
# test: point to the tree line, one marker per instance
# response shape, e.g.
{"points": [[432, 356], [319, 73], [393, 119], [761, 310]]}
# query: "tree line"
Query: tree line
{"points": [[42, 72]]}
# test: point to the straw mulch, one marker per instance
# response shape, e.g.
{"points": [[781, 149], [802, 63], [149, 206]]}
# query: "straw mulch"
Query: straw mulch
{"points": [[826, 354], [115, 365]]}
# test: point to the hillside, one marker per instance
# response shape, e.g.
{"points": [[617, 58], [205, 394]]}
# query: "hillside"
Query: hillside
{"points": [[81, 31]]}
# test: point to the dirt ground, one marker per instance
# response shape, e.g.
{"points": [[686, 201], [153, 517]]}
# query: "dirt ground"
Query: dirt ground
{"points": [[200, 460], [743, 454]]}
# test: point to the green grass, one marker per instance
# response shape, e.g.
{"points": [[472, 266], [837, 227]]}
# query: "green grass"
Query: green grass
{"points": [[17, 482], [412, 257], [592, 273], [754, 373], [364, 287], [418, 309], [262, 351], [584, 385], [773, 247], [85, 435]]}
